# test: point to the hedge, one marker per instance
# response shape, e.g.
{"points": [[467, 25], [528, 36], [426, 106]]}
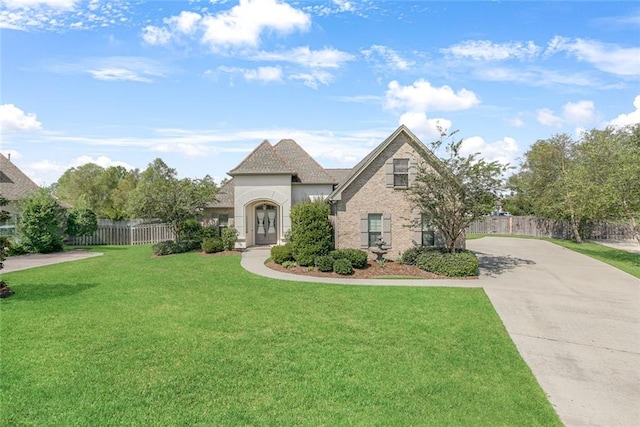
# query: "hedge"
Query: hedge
{"points": [[456, 264]]}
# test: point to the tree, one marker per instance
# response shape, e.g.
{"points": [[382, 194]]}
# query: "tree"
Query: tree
{"points": [[4, 241], [310, 231], [457, 190], [160, 194], [41, 226], [81, 222]]}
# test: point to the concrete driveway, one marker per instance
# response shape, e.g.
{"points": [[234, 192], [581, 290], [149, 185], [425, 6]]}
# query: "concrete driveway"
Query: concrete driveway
{"points": [[23, 262], [575, 321]]}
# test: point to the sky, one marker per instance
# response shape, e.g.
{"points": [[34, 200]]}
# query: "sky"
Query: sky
{"points": [[200, 84]]}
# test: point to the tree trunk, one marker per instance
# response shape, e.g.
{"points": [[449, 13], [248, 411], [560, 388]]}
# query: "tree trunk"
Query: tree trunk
{"points": [[574, 229]]}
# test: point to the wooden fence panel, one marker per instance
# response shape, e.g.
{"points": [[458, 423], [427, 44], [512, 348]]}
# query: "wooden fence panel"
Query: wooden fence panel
{"points": [[125, 233]]}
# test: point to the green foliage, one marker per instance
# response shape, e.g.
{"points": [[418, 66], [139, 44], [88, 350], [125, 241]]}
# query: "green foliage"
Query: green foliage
{"points": [[310, 231], [343, 266], [229, 236], [170, 247], [81, 222], [41, 226], [457, 190], [289, 264], [282, 253], [160, 194], [191, 230], [213, 245], [210, 231], [452, 264], [324, 263], [410, 256], [357, 257], [5, 243]]}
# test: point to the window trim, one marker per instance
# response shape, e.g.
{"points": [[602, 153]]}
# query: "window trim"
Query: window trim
{"points": [[401, 172]]}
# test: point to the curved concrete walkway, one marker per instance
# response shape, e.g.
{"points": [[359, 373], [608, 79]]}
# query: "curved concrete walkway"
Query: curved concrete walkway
{"points": [[574, 320]]}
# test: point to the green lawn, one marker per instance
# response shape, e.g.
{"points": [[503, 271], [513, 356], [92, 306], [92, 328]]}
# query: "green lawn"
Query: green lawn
{"points": [[623, 260], [127, 339]]}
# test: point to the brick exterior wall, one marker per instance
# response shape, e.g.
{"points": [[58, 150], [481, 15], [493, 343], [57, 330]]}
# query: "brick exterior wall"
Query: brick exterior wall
{"points": [[369, 194]]}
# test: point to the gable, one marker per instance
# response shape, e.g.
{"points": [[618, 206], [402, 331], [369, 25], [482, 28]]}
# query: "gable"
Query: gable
{"points": [[14, 184]]}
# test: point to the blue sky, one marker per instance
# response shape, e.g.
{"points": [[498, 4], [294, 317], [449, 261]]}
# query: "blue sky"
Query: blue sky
{"points": [[202, 83]]}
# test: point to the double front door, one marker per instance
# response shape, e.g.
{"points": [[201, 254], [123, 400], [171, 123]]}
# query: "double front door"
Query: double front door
{"points": [[266, 227]]}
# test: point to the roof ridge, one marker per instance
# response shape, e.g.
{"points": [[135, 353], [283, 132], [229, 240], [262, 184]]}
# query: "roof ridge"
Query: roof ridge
{"points": [[307, 156]]}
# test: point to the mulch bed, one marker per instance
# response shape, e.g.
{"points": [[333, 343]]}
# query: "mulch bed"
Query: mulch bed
{"points": [[372, 271]]}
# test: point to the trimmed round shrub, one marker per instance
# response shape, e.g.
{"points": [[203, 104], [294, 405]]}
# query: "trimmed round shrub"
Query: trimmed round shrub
{"points": [[212, 246], [410, 256], [324, 263], [456, 264], [229, 236], [282, 253], [357, 257], [343, 266]]}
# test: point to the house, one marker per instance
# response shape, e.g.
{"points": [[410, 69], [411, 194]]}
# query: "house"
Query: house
{"points": [[14, 184], [367, 202]]}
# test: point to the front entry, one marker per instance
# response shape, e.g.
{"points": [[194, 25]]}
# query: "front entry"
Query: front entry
{"points": [[266, 227]]}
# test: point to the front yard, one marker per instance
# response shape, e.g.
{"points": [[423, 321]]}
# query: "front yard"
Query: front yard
{"points": [[127, 339]]}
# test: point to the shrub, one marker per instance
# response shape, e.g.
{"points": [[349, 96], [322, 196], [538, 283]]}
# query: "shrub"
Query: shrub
{"points": [[210, 232], [281, 254], [229, 236], [163, 248], [42, 225], [211, 246], [456, 264], [343, 266], [81, 222], [169, 247], [410, 256], [357, 257], [310, 231], [191, 230], [324, 263], [289, 264]]}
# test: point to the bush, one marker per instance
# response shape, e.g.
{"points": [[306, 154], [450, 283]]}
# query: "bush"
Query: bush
{"points": [[310, 231], [42, 223], [229, 236], [163, 248], [357, 257], [282, 253], [457, 264], [211, 246], [289, 264], [324, 263], [81, 222], [410, 256], [210, 232], [169, 247], [191, 230], [343, 266]]}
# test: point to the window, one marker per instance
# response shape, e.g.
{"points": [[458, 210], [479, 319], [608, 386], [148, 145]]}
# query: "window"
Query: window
{"points": [[400, 172], [427, 232], [223, 220], [374, 228]]}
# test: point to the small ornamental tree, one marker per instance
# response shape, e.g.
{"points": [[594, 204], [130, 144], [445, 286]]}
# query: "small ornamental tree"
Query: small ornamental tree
{"points": [[460, 190], [310, 231], [41, 227]]}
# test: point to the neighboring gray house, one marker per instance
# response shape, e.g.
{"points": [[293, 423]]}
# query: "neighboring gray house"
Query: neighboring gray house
{"points": [[367, 201], [14, 184]]}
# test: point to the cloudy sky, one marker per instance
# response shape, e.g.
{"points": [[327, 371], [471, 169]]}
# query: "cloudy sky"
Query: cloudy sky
{"points": [[201, 83]]}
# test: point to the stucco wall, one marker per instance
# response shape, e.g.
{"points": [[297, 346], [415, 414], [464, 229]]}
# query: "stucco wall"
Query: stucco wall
{"points": [[303, 192]]}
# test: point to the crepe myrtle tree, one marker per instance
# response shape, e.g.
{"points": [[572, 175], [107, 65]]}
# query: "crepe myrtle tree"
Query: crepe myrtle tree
{"points": [[160, 194], [457, 190]]}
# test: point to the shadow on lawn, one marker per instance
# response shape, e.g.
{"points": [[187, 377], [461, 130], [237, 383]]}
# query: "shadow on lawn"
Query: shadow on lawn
{"points": [[41, 291], [493, 265]]}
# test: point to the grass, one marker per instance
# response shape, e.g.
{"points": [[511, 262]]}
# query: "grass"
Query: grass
{"points": [[622, 260], [127, 339]]}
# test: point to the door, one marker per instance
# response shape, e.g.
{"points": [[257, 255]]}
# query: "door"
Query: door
{"points": [[266, 227]]}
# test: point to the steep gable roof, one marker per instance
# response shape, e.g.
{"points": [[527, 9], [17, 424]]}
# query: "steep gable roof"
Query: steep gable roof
{"points": [[263, 160], [426, 154], [224, 198], [308, 170], [14, 184], [339, 174]]}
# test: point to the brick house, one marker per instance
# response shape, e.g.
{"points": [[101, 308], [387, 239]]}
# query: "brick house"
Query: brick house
{"points": [[367, 202]]}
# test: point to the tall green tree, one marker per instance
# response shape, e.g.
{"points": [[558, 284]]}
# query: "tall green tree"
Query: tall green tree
{"points": [[42, 223], [311, 234], [160, 194], [81, 222], [457, 190]]}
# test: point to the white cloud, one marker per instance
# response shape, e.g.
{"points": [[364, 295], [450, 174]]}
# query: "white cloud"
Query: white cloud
{"points": [[314, 78], [102, 161], [486, 50], [264, 74], [581, 113], [421, 96], [117, 74], [242, 25], [14, 119], [610, 58], [115, 68], [344, 6], [426, 129], [630, 118], [323, 58], [389, 57], [46, 172], [547, 117], [504, 151]]}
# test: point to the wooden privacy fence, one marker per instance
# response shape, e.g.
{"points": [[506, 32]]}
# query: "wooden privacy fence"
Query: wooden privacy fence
{"points": [[539, 227], [125, 233]]}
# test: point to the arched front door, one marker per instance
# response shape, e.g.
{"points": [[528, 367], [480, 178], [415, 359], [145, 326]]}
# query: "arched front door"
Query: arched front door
{"points": [[266, 225]]}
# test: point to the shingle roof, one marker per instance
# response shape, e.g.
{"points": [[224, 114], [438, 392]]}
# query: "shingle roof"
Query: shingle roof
{"points": [[308, 170], [224, 198], [14, 184], [263, 160], [340, 175]]}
